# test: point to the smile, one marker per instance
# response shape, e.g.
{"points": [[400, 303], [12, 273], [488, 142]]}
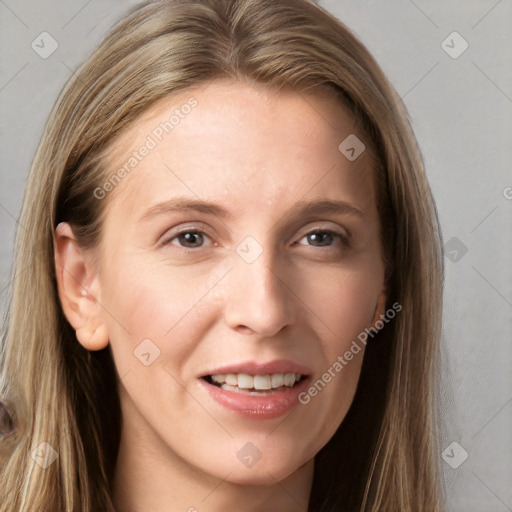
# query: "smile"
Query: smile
{"points": [[254, 384], [257, 390]]}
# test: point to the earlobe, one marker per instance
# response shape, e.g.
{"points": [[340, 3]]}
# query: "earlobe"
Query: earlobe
{"points": [[380, 307], [93, 339], [78, 289]]}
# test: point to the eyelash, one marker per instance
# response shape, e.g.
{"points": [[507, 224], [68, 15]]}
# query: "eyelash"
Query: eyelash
{"points": [[342, 238], [334, 234]]}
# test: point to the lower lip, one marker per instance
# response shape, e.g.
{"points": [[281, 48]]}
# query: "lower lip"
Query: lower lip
{"points": [[257, 407]]}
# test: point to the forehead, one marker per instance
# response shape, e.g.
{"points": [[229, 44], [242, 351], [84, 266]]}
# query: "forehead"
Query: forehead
{"points": [[229, 139]]}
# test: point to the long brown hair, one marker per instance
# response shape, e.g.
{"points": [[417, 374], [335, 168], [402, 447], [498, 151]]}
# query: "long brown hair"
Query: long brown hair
{"points": [[384, 455]]}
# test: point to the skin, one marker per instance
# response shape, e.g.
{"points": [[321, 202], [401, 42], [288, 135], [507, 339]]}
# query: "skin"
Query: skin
{"points": [[257, 153]]}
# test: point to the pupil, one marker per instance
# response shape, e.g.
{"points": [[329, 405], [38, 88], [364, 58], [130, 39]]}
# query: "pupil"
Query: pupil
{"points": [[191, 239], [318, 238]]}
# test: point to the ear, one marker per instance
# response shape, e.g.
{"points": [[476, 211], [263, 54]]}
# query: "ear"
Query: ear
{"points": [[380, 307], [78, 288]]}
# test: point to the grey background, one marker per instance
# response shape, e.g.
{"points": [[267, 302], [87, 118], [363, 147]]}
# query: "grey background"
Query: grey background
{"points": [[461, 109]]}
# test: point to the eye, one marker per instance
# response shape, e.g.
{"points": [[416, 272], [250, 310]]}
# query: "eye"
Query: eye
{"points": [[188, 239], [324, 238]]}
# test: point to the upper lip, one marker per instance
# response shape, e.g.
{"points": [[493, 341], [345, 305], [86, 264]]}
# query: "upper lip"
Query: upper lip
{"points": [[261, 368]]}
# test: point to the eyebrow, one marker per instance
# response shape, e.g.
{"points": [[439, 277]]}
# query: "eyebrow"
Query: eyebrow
{"points": [[184, 204], [302, 208]]}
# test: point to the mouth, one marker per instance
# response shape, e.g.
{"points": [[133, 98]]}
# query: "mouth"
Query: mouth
{"points": [[257, 390], [256, 385]]}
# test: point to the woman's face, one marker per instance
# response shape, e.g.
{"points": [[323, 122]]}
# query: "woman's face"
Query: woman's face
{"points": [[242, 247]]}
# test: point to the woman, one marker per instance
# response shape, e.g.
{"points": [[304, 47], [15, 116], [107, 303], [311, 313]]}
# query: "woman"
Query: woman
{"points": [[228, 284]]}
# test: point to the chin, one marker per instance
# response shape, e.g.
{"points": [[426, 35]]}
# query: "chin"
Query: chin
{"points": [[267, 470], [263, 475]]}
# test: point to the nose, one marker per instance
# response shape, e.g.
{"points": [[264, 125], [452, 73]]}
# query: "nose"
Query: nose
{"points": [[257, 299]]}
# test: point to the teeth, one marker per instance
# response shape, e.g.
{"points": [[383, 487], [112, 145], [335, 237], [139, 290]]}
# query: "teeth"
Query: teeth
{"points": [[245, 381], [277, 380], [259, 382], [231, 379], [219, 379], [262, 382], [289, 379]]}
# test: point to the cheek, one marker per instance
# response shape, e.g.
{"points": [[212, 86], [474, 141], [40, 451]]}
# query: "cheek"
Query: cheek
{"points": [[343, 302], [340, 305], [152, 301]]}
